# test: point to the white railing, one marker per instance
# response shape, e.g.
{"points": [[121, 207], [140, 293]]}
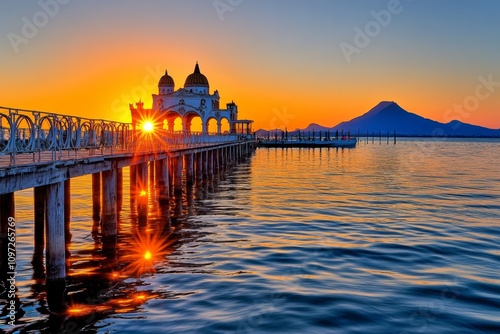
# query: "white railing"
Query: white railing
{"points": [[35, 133]]}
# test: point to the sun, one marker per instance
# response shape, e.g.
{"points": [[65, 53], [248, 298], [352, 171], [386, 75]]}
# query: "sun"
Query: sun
{"points": [[148, 126]]}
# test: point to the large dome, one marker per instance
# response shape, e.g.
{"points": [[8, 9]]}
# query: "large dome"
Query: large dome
{"points": [[166, 80], [196, 79]]}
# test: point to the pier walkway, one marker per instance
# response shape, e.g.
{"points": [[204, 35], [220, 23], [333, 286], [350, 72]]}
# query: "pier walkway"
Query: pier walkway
{"points": [[44, 151]]}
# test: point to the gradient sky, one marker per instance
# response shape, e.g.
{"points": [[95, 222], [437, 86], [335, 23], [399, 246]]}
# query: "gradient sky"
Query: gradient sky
{"points": [[280, 60]]}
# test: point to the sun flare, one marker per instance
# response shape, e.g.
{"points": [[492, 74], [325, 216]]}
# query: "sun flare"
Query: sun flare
{"points": [[148, 126]]}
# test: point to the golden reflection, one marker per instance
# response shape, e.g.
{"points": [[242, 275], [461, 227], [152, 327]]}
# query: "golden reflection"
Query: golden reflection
{"points": [[82, 310], [140, 297], [147, 249]]}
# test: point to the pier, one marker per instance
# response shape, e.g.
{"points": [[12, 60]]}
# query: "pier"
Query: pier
{"points": [[45, 151]]}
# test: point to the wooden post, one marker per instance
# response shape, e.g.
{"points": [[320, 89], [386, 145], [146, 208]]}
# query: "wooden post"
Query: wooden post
{"points": [[55, 260], [216, 161], [109, 227], [151, 172], [204, 163], [178, 174], [7, 226], [199, 166], [210, 166], [224, 157], [96, 196], [67, 210], [162, 180], [189, 167], [170, 172], [39, 194], [142, 193], [119, 189], [133, 185]]}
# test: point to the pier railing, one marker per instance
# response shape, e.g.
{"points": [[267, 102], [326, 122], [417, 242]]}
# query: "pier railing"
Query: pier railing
{"points": [[50, 137]]}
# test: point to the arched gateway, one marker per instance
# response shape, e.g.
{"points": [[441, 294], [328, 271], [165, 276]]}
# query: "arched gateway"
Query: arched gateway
{"points": [[191, 101]]}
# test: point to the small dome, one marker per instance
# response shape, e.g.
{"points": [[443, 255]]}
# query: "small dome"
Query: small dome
{"points": [[196, 78], [166, 80]]}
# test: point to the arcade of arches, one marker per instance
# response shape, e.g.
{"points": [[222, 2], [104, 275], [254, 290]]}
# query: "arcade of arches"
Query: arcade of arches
{"points": [[191, 109]]}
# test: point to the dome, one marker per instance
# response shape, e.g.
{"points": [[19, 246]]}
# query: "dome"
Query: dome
{"points": [[196, 78], [166, 80]]}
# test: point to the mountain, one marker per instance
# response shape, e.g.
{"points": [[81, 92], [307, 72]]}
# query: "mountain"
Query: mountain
{"points": [[316, 127], [388, 116]]}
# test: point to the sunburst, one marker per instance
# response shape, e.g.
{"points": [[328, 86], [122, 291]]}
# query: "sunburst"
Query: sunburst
{"points": [[147, 249]]}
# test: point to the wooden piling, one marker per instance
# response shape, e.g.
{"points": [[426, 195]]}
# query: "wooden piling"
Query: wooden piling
{"points": [[55, 253], [199, 167], [223, 158], [67, 215], [178, 174], [210, 163], [204, 164], [171, 172], [109, 212], [96, 196], [177, 167], [189, 168], [7, 226], [133, 184], [151, 172], [119, 189], [162, 180], [142, 193], [39, 194], [216, 161]]}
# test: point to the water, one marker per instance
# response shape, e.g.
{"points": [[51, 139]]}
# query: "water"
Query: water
{"points": [[377, 239]]}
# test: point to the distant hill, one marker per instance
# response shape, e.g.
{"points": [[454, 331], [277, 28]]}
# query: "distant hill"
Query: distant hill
{"points": [[388, 116]]}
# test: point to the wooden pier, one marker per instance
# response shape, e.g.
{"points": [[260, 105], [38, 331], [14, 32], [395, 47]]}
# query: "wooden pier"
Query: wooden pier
{"points": [[47, 156]]}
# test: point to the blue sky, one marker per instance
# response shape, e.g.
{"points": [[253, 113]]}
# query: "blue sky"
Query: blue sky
{"points": [[267, 55]]}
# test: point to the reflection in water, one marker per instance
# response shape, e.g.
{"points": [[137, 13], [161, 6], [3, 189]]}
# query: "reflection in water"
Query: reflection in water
{"points": [[111, 277]]}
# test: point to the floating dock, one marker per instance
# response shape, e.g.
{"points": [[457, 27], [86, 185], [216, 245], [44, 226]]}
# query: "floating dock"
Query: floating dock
{"points": [[335, 143]]}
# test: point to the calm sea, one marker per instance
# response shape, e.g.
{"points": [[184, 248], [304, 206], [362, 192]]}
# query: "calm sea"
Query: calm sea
{"points": [[378, 239]]}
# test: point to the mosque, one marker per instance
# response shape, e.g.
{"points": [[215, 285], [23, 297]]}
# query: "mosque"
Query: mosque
{"points": [[192, 100]]}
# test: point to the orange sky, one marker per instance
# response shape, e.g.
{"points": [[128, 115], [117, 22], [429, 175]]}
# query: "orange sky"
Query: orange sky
{"points": [[281, 64]]}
